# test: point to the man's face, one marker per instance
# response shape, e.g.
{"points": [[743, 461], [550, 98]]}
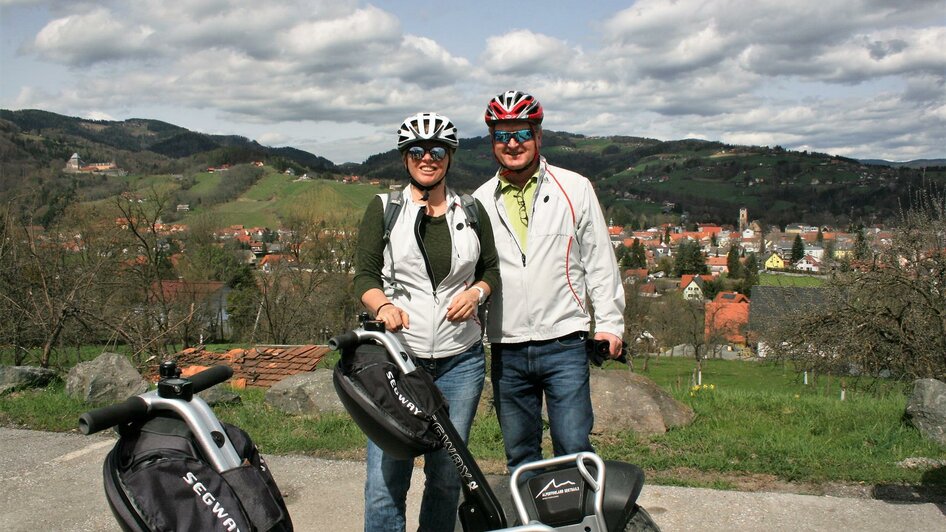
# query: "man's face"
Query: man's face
{"points": [[515, 154]]}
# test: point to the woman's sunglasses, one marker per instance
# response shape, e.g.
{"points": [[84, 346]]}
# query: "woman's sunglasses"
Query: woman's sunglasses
{"points": [[437, 153], [505, 136]]}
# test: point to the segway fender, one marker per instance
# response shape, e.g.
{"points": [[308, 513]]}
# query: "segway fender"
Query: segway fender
{"points": [[623, 485]]}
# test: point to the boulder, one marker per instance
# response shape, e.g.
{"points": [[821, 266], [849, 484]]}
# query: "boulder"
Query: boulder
{"points": [[110, 378], [220, 395], [926, 409], [624, 400], [309, 393], [14, 378]]}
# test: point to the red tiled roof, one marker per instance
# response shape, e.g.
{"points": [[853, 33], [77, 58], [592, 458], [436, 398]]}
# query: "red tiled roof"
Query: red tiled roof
{"points": [[261, 366]]}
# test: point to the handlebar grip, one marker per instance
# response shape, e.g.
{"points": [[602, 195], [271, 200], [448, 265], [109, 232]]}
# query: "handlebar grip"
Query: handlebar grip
{"points": [[108, 416], [343, 341], [210, 377]]}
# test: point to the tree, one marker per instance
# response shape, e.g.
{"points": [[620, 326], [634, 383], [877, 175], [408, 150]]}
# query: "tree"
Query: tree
{"points": [[636, 256], [889, 318], [862, 251], [732, 262], [798, 250], [676, 321], [50, 280], [751, 269], [689, 259]]}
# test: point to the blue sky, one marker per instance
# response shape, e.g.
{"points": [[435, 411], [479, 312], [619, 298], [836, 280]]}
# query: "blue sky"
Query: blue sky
{"points": [[859, 78]]}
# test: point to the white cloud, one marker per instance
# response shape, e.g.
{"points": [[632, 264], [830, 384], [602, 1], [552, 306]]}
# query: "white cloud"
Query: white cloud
{"points": [[524, 52], [861, 77]]}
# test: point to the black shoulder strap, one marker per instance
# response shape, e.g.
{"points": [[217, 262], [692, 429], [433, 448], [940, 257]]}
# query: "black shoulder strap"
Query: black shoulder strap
{"points": [[472, 211], [391, 210]]}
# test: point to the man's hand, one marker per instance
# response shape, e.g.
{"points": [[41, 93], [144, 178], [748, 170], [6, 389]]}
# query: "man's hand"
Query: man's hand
{"points": [[615, 343]]}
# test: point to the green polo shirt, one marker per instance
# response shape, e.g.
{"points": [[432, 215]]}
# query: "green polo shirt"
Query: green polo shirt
{"points": [[519, 205]]}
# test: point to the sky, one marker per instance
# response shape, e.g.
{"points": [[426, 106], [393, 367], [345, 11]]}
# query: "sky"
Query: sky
{"points": [[857, 78]]}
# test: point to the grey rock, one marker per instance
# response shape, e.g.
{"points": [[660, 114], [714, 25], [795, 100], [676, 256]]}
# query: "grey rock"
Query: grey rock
{"points": [[14, 378], [309, 393], [109, 378], [623, 400], [218, 395], [926, 409]]}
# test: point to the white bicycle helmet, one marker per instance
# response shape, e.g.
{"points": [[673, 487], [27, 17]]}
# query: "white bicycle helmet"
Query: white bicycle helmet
{"points": [[427, 126]]}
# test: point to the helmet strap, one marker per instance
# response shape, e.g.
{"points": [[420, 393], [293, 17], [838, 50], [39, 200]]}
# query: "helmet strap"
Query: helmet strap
{"points": [[427, 188]]}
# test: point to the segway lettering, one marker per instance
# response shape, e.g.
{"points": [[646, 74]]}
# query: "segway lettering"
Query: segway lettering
{"points": [[462, 469], [207, 498], [404, 400]]}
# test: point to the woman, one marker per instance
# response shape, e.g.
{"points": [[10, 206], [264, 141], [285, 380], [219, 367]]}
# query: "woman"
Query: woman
{"points": [[425, 276]]}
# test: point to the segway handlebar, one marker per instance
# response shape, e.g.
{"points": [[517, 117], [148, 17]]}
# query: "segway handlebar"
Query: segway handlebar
{"points": [[138, 406]]}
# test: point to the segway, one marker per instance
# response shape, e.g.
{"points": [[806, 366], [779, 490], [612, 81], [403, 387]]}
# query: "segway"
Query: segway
{"points": [[176, 467], [401, 410]]}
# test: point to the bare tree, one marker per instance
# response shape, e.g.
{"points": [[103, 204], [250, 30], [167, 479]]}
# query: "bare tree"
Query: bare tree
{"points": [[675, 321], [52, 278], [306, 295], [888, 318]]}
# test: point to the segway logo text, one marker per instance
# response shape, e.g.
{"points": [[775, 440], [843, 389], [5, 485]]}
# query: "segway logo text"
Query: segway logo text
{"points": [[462, 469], [404, 400], [208, 498], [553, 489]]}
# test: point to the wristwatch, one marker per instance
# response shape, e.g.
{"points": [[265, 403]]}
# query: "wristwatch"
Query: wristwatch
{"points": [[482, 297]]}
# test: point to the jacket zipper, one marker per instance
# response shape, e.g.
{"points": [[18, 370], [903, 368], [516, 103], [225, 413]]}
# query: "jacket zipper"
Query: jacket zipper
{"points": [[430, 272]]}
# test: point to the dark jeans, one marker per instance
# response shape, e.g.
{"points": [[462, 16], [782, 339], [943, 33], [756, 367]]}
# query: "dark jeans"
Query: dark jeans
{"points": [[522, 373], [460, 379]]}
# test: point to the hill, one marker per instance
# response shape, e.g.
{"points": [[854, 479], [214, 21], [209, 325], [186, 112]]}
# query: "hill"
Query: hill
{"points": [[639, 180]]}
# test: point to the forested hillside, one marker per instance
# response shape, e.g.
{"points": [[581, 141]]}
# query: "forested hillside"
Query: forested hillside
{"points": [[638, 179]]}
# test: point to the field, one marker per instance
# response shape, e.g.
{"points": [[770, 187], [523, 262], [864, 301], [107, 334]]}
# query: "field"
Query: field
{"points": [[757, 426], [777, 279]]}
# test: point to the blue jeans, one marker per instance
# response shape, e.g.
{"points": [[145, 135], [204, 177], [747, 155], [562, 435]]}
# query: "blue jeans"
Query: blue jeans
{"points": [[522, 373], [460, 379]]}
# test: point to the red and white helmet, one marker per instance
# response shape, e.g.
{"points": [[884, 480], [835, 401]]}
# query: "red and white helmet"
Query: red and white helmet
{"points": [[514, 105], [427, 126]]}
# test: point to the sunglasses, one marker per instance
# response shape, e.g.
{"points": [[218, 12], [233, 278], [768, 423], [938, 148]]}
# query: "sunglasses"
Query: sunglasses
{"points": [[437, 153], [505, 136]]}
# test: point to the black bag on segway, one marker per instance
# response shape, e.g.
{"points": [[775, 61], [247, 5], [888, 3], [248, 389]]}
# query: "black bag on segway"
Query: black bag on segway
{"points": [[392, 408], [157, 479]]}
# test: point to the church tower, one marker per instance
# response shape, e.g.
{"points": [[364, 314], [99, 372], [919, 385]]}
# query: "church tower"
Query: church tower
{"points": [[743, 219]]}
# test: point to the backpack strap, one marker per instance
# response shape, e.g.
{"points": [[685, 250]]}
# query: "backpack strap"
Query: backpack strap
{"points": [[391, 210], [472, 212]]}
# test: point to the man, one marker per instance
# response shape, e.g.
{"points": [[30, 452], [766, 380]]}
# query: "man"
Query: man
{"points": [[555, 257]]}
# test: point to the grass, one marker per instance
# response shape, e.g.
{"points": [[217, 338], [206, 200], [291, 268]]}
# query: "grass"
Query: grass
{"points": [[752, 420], [774, 279]]}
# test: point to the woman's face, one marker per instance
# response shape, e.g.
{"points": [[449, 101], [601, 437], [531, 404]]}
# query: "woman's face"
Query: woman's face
{"points": [[427, 162]]}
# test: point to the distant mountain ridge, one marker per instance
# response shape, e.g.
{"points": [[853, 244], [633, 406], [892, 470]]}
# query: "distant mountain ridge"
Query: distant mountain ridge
{"points": [[916, 163], [635, 177], [140, 134]]}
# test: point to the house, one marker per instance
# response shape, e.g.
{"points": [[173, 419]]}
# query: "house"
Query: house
{"points": [[717, 265], [774, 262], [727, 317], [270, 262], [692, 286], [808, 264]]}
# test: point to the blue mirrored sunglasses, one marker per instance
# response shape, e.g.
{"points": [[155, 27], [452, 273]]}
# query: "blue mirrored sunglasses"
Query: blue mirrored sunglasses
{"points": [[505, 136], [437, 153]]}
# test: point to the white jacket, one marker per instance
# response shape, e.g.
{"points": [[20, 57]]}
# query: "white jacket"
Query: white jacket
{"points": [[568, 262], [408, 284]]}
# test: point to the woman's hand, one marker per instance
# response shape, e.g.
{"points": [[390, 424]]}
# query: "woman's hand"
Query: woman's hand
{"points": [[463, 306], [394, 317]]}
